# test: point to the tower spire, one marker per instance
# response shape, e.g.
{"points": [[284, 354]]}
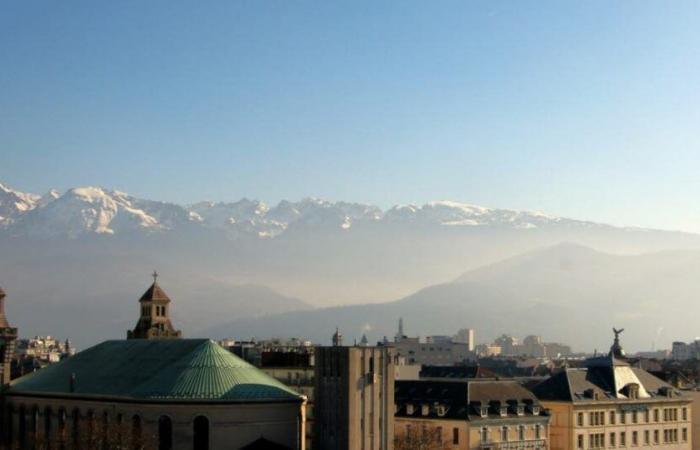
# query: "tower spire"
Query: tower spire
{"points": [[154, 320]]}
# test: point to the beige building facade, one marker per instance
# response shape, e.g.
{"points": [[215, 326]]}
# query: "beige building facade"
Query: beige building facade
{"points": [[470, 415], [609, 404]]}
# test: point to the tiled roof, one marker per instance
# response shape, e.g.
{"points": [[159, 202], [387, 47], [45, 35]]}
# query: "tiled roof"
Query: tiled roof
{"points": [[179, 369], [154, 293], [462, 399], [602, 382]]}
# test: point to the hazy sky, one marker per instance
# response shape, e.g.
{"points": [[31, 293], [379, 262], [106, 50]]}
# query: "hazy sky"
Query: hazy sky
{"points": [[582, 109]]}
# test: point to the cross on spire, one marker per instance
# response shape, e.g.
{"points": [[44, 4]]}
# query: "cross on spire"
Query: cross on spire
{"points": [[155, 276]]}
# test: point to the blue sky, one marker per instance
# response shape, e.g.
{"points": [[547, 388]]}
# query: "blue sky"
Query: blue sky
{"points": [[582, 109]]}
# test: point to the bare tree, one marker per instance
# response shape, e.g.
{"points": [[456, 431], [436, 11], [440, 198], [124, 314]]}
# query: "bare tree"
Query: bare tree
{"points": [[420, 438]]}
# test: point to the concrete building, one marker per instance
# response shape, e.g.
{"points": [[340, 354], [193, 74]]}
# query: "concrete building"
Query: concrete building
{"points": [[296, 370], [354, 398], [681, 351], [435, 350], [466, 336], [610, 404], [469, 414]]}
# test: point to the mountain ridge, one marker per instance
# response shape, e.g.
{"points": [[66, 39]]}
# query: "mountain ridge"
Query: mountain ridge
{"points": [[96, 210]]}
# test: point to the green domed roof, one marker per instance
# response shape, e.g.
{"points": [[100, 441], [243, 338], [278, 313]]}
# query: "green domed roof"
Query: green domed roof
{"points": [[176, 369]]}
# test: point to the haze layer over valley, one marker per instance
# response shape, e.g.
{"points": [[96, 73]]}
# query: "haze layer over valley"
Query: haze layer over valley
{"points": [[92, 250]]}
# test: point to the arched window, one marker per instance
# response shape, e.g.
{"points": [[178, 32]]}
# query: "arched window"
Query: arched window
{"points": [[21, 433], [165, 433], [75, 430], [105, 431], [10, 422], [47, 424], [201, 433], [35, 422], [61, 425], [136, 431]]}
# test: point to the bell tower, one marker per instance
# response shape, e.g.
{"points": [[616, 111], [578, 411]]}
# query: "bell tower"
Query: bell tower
{"points": [[154, 320], [8, 338]]}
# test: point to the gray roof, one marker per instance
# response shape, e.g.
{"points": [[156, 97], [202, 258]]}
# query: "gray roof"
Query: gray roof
{"points": [[603, 379], [462, 399]]}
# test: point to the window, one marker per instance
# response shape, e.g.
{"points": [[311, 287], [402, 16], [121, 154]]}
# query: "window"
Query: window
{"points": [[656, 436], [646, 437], [685, 413], [580, 419], [136, 431], [685, 434], [623, 439], [165, 433], [612, 417], [504, 434], [665, 436], [521, 433], [646, 416], [634, 417], [596, 440], [656, 415], [580, 441], [47, 423], [623, 418], [439, 435], [201, 433], [538, 431], [484, 435], [455, 436], [76, 427], [612, 440], [635, 440]]}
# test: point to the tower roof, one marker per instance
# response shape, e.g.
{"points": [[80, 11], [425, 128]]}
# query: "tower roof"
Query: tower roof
{"points": [[154, 293], [159, 370]]}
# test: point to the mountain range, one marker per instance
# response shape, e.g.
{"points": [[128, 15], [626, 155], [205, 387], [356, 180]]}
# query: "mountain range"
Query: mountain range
{"points": [[75, 263]]}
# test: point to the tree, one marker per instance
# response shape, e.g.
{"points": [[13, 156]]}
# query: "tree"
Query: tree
{"points": [[420, 438]]}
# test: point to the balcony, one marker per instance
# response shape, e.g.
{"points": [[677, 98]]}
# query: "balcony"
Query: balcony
{"points": [[531, 444]]}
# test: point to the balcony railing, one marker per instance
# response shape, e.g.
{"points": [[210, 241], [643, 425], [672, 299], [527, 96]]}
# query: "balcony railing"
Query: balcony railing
{"points": [[514, 445]]}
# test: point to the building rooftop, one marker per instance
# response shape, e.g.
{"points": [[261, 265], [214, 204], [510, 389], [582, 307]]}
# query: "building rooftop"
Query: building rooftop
{"points": [[464, 399], [604, 379], [158, 370]]}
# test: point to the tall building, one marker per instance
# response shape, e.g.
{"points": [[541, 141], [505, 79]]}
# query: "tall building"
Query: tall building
{"points": [[611, 404], [354, 398], [466, 336], [154, 321], [8, 339]]}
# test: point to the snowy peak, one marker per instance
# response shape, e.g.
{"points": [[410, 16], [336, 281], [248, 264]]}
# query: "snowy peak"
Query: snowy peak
{"points": [[14, 203], [95, 210]]}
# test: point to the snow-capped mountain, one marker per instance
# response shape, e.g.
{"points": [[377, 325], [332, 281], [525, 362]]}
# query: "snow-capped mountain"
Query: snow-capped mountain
{"points": [[14, 203], [94, 210]]}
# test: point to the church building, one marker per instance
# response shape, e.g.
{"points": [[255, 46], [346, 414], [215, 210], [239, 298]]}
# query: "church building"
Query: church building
{"points": [[153, 390]]}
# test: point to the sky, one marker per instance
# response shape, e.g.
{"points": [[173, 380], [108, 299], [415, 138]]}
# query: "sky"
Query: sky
{"points": [[589, 110]]}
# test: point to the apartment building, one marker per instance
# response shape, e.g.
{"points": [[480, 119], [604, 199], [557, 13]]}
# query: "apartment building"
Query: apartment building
{"points": [[611, 405], [469, 414]]}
